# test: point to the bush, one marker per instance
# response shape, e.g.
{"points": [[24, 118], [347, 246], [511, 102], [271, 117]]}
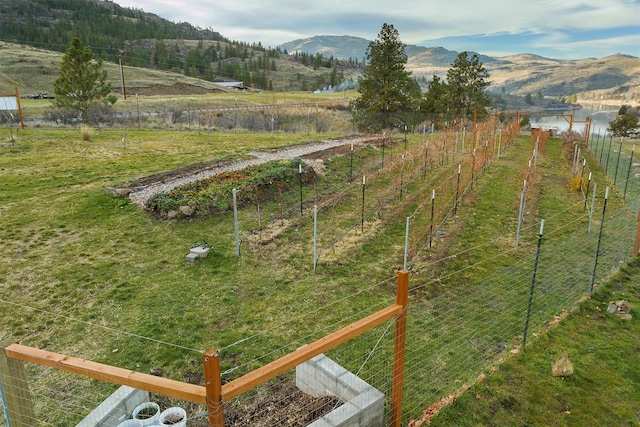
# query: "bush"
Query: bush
{"points": [[215, 194], [85, 132]]}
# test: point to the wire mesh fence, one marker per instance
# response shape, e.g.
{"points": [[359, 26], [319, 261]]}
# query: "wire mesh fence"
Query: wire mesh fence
{"points": [[453, 335]]}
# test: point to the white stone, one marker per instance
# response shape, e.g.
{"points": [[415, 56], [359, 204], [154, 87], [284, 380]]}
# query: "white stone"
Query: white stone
{"points": [[200, 251]]}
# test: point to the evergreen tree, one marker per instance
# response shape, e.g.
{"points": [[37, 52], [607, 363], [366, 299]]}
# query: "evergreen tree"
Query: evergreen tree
{"points": [[466, 84], [387, 91], [82, 81], [625, 125], [434, 102]]}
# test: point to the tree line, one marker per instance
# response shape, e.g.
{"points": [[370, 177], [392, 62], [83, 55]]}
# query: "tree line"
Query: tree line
{"points": [[51, 24], [144, 40], [391, 98]]}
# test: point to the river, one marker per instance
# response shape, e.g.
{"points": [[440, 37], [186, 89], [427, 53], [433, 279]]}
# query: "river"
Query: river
{"points": [[600, 116]]}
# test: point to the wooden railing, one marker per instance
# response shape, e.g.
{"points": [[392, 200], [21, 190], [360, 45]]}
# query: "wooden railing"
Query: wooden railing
{"points": [[18, 406]]}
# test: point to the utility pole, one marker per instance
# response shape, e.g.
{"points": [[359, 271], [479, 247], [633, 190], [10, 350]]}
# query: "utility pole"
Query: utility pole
{"points": [[124, 95]]}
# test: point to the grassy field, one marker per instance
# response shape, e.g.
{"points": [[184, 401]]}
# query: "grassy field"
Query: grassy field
{"points": [[94, 276], [604, 389]]}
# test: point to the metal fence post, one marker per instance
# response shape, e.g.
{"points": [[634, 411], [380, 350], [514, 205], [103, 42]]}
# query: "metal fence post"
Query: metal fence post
{"points": [[595, 262], [402, 176], [315, 237], [364, 184], [236, 232], [433, 202], [636, 244], [406, 243], [615, 176], [520, 213], [592, 208], [455, 206], [533, 284], [626, 182], [606, 166], [300, 179]]}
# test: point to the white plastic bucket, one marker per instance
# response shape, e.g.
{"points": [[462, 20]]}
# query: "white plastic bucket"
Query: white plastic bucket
{"points": [[139, 413], [174, 417]]}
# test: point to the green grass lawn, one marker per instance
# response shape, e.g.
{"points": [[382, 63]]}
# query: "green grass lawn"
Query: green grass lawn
{"points": [[94, 276], [605, 386]]}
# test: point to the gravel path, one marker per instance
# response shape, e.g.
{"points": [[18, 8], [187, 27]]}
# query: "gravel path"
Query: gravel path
{"points": [[141, 195]]}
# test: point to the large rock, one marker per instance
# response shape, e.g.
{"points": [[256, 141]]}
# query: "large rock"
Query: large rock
{"points": [[621, 309], [562, 367], [121, 192], [186, 210]]}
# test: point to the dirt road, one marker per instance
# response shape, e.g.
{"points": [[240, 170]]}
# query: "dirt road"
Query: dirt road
{"points": [[141, 194]]}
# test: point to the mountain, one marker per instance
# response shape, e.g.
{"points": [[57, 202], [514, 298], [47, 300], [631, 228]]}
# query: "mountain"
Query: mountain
{"points": [[50, 24], [340, 47], [616, 76], [150, 42]]}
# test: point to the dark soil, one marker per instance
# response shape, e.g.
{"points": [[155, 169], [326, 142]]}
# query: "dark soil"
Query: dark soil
{"points": [[282, 404], [278, 404]]}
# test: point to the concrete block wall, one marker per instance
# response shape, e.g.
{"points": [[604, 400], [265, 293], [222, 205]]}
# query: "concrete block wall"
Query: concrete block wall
{"points": [[116, 408], [363, 404]]}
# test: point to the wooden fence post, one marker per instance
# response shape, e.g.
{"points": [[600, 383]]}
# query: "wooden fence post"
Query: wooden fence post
{"points": [[402, 298], [14, 386], [213, 384]]}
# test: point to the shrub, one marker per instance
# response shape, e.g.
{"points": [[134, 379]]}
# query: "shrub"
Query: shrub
{"points": [[577, 183], [85, 132], [215, 194]]}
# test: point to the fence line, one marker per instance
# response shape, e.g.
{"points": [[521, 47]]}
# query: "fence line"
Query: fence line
{"points": [[456, 335], [17, 402]]}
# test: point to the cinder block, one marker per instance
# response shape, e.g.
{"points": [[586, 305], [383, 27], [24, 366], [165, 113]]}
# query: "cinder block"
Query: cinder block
{"points": [[115, 408], [346, 415], [191, 257], [202, 252], [363, 405]]}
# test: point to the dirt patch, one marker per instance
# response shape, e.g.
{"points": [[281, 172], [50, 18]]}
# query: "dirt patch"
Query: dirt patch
{"points": [[177, 89], [270, 232], [143, 188], [281, 404], [351, 242]]}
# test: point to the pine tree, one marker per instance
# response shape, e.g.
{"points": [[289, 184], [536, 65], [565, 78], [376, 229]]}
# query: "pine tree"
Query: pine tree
{"points": [[387, 91], [625, 125], [82, 81], [466, 84], [434, 102]]}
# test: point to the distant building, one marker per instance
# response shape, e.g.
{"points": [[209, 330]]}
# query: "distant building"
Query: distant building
{"points": [[232, 85]]}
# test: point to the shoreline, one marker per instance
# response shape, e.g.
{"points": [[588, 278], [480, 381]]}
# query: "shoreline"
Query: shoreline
{"points": [[607, 102]]}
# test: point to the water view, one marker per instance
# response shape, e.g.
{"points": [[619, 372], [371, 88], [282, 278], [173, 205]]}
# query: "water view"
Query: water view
{"points": [[600, 115]]}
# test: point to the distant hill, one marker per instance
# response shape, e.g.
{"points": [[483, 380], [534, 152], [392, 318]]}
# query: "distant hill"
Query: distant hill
{"points": [[50, 24], [145, 41], [151, 42], [340, 47], [616, 76]]}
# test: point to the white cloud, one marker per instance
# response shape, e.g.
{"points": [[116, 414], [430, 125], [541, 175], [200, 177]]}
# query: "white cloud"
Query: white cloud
{"points": [[277, 21]]}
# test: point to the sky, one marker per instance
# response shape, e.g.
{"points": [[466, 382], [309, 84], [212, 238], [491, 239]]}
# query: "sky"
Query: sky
{"points": [[559, 29]]}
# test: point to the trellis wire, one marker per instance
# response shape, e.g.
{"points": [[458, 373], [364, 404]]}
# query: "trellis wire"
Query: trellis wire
{"points": [[454, 337]]}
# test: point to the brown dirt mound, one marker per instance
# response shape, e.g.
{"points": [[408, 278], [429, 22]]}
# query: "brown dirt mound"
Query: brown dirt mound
{"points": [[177, 89]]}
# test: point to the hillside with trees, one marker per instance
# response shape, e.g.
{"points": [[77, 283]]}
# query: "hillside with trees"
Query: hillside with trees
{"points": [[144, 40]]}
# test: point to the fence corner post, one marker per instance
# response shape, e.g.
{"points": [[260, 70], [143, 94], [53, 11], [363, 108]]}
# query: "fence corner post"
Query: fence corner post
{"points": [[14, 390], [213, 385], [402, 298]]}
